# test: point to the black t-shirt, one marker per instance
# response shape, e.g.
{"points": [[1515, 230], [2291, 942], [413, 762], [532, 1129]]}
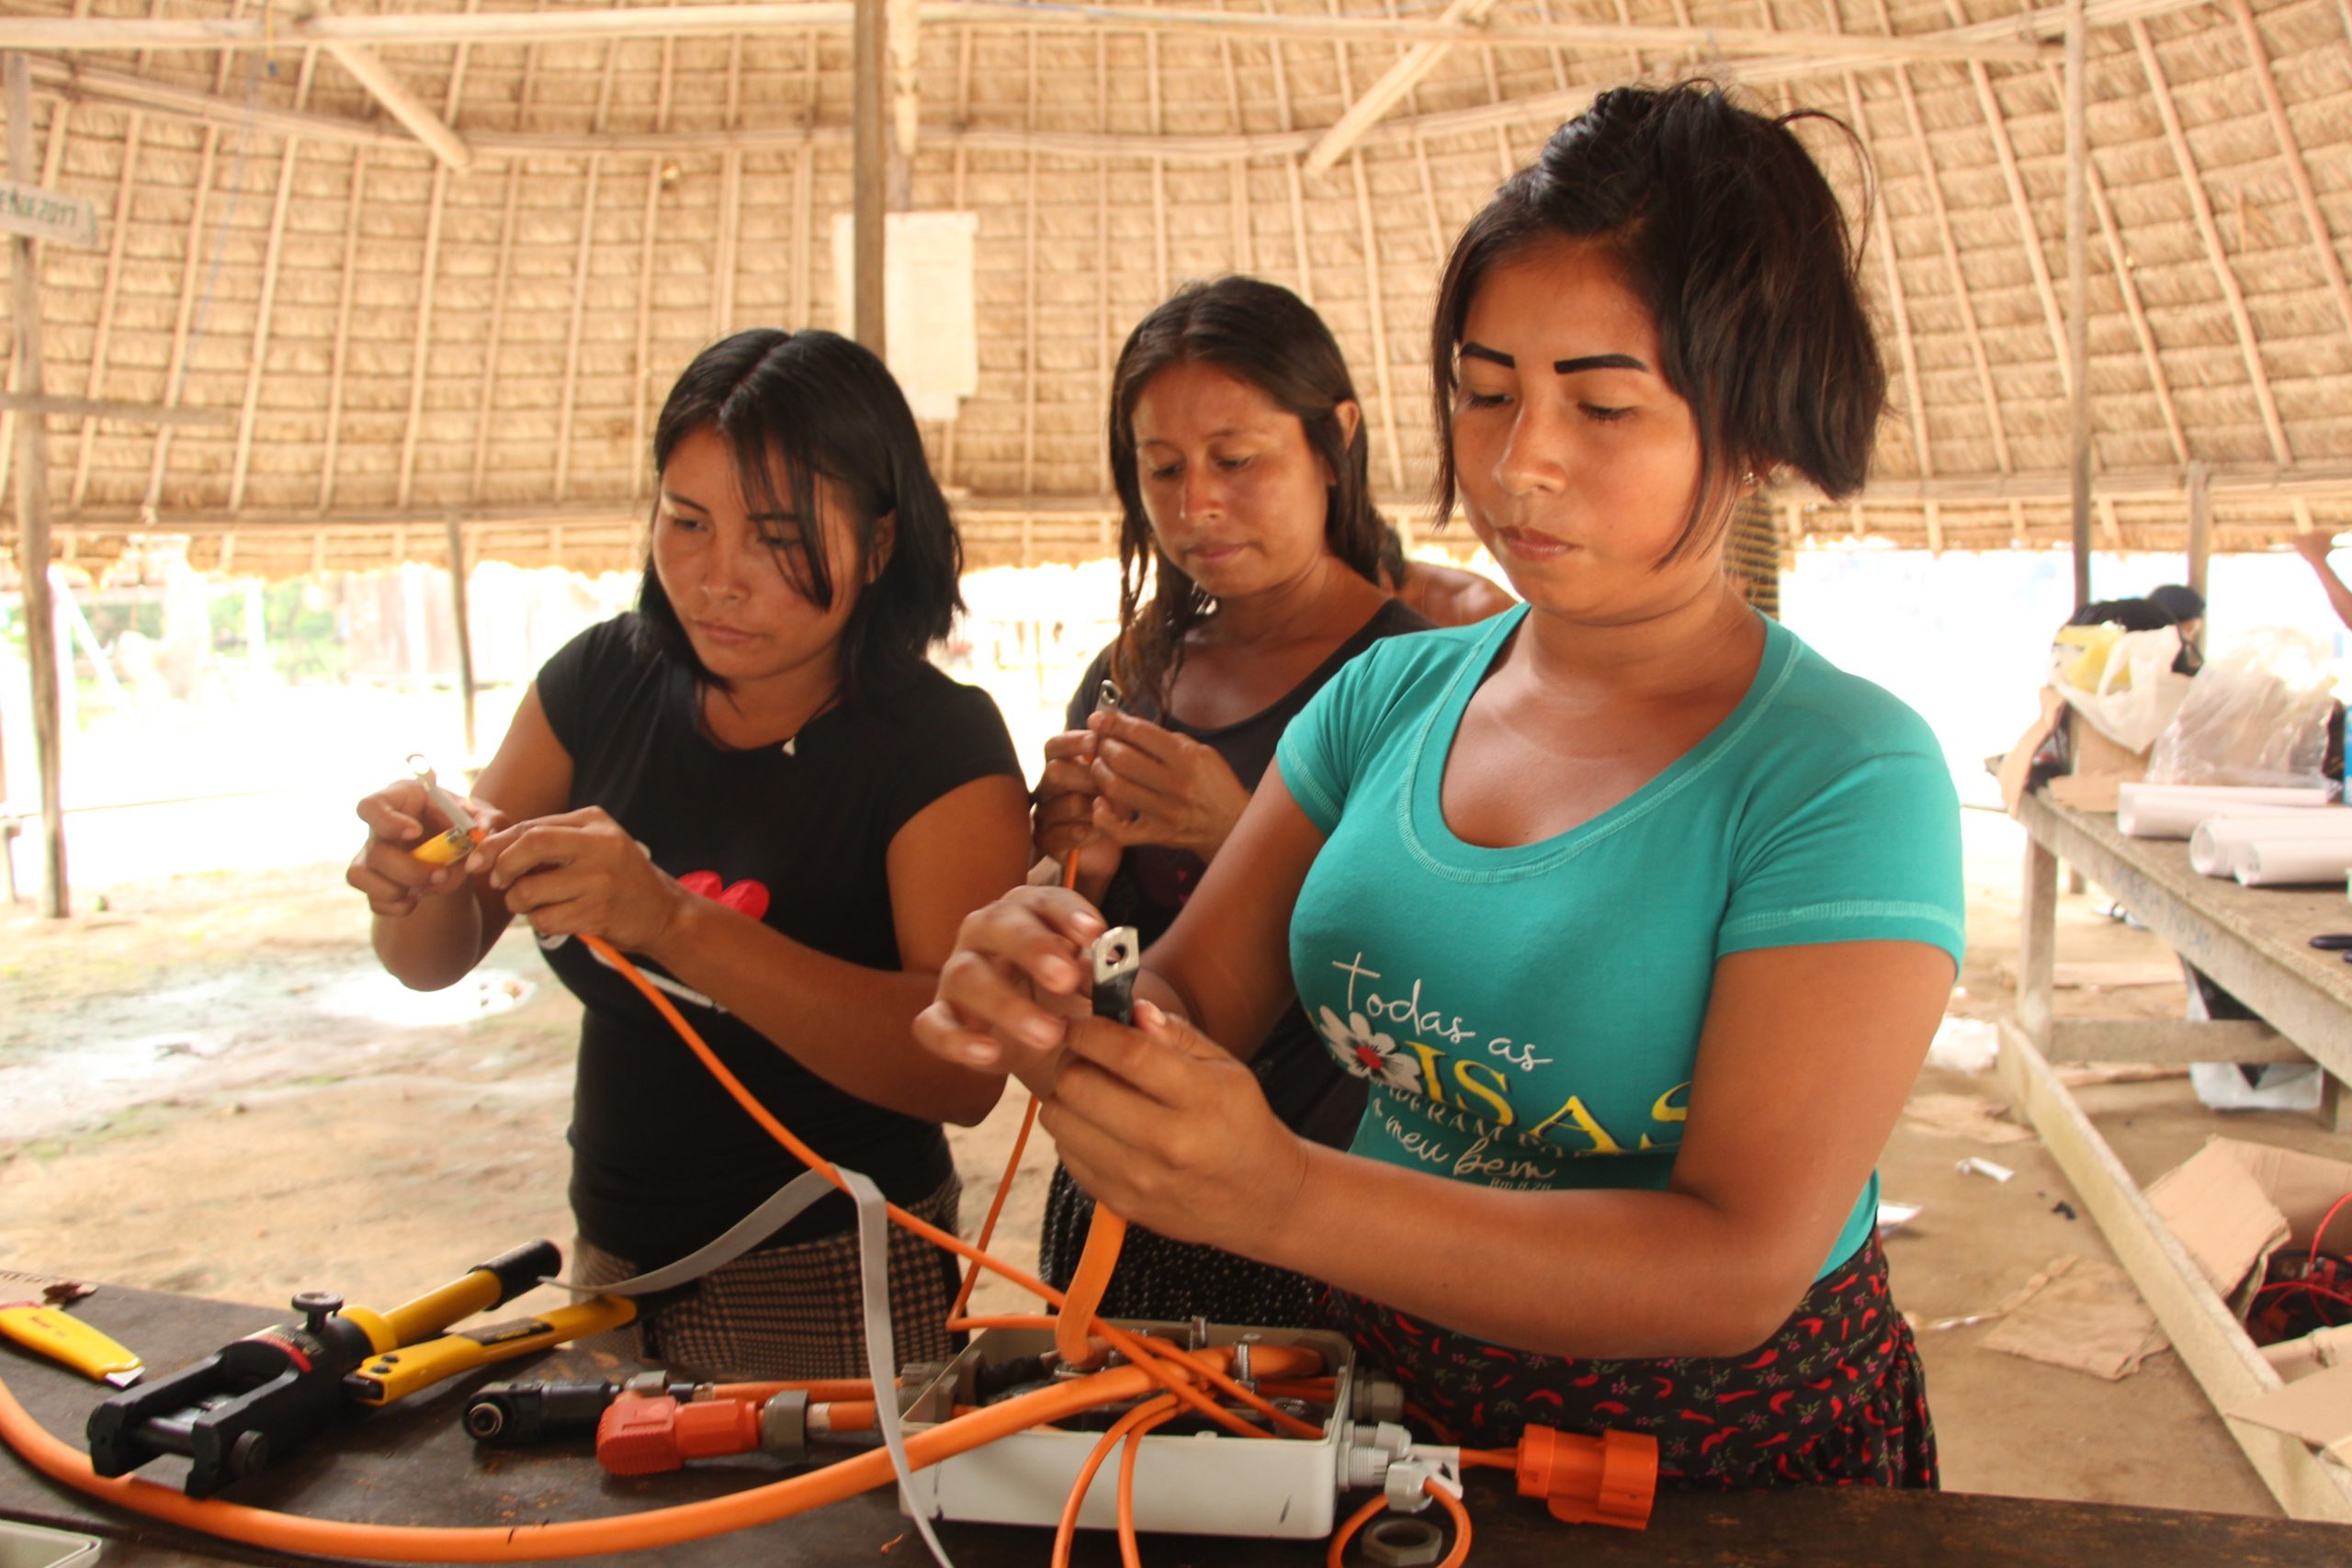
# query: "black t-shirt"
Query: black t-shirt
{"points": [[663, 1157], [1306, 1087]]}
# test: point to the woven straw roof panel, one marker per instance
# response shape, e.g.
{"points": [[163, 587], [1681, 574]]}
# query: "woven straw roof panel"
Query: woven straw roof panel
{"points": [[411, 339]]}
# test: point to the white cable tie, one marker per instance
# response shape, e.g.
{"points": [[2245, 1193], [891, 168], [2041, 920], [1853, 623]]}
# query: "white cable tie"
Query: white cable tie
{"points": [[881, 1354]]}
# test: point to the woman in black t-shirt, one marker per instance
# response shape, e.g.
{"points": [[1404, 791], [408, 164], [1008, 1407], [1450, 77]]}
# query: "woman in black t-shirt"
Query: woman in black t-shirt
{"points": [[756, 786], [1238, 451]]}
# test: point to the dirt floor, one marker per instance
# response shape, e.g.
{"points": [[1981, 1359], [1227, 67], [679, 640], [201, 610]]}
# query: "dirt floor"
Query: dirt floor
{"points": [[208, 1086]]}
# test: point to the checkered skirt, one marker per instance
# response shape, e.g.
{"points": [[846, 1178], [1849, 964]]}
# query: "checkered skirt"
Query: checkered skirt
{"points": [[790, 1311]]}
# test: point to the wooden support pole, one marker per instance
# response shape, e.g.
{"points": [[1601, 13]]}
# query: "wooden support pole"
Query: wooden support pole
{"points": [[2078, 393], [2201, 529], [2037, 943], [870, 58], [32, 510], [457, 572]]}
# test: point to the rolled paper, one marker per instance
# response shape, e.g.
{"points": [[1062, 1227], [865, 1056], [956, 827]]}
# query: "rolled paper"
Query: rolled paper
{"points": [[2215, 846], [2173, 811], [2285, 863]]}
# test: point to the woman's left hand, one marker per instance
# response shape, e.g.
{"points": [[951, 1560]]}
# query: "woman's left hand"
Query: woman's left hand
{"points": [[580, 873], [1155, 786], [1164, 1127]]}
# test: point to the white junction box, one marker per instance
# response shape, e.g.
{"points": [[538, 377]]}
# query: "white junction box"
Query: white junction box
{"points": [[32, 1546], [1194, 1483]]}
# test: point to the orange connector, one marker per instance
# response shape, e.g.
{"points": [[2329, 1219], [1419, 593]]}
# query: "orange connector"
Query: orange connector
{"points": [[1608, 1480], [649, 1437]]}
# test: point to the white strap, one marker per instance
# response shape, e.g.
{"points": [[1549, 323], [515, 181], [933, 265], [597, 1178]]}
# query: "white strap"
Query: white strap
{"points": [[739, 1238]]}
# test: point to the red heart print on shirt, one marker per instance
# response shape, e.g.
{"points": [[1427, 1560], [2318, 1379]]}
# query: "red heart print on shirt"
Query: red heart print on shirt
{"points": [[748, 897]]}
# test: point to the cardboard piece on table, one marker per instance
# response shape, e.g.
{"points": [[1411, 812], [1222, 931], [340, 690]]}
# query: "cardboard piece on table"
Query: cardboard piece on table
{"points": [[2099, 766], [2082, 1315], [2317, 1409], [2020, 761], [1961, 1116], [2221, 1214]]}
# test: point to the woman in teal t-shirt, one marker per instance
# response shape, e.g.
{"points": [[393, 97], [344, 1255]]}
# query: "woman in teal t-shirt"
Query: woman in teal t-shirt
{"points": [[1636, 913]]}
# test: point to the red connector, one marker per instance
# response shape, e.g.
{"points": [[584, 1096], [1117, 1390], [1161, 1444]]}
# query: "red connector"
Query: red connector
{"points": [[648, 1436], [1608, 1480]]}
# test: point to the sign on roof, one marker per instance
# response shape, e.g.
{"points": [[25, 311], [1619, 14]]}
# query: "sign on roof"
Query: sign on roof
{"points": [[46, 214]]}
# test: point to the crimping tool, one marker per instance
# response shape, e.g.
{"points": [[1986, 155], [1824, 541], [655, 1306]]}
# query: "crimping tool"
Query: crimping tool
{"points": [[268, 1393]]}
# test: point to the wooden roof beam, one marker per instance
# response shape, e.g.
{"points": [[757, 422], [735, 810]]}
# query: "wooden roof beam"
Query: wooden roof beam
{"points": [[2306, 199], [403, 105], [1395, 82], [2017, 39], [2210, 230], [2042, 486]]}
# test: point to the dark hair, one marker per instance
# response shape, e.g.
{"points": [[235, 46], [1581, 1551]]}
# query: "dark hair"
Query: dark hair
{"points": [[1271, 338], [2178, 600], [1392, 556], [1725, 230], [817, 405], [2131, 614]]}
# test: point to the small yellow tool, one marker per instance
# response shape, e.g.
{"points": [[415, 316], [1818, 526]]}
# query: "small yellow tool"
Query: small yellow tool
{"points": [[63, 1337], [458, 841]]}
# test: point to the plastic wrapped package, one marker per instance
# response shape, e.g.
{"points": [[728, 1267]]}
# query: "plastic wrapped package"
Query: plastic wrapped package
{"points": [[2120, 681], [2258, 714]]}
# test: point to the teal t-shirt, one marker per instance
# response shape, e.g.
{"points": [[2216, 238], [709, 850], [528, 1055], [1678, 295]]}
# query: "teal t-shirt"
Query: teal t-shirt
{"points": [[1529, 1017]]}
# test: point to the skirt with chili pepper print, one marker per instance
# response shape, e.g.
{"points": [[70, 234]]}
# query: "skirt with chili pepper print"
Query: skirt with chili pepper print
{"points": [[1836, 1397]]}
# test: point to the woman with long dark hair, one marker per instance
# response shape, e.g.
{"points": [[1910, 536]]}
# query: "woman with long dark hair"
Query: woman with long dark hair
{"points": [[1249, 554], [756, 785], [1638, 914]]}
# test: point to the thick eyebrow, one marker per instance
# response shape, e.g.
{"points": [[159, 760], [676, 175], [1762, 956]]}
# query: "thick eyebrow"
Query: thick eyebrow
{"points": [[1491, 356], [1228, 433], [674, 499], [1598, 362]]}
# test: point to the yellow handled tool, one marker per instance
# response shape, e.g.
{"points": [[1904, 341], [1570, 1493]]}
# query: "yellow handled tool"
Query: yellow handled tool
{"points": [[66, 1338], [396, 1373], [463, 833]]}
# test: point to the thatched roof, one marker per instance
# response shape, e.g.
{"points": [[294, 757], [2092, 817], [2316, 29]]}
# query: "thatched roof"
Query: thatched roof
{"points": [[473, 302]]}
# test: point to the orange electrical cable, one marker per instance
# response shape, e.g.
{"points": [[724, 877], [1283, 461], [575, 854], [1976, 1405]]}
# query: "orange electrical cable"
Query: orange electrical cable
{"points": [[1130, 1551], [818, 1390], [996, 1207], [1066, 1532], [1176, 1373], [580, 1537], [1106, 1232], [1452, 1505], [1128, 1345], [1335, 1555]]}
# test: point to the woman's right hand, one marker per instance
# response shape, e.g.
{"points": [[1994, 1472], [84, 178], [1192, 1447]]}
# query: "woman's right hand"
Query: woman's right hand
{"points": [[386, 869], [1062, 821], [1017, 975]]}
